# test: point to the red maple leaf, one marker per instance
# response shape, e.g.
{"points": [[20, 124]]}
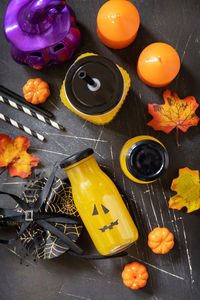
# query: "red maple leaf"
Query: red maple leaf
{"points": [[175, 113]]}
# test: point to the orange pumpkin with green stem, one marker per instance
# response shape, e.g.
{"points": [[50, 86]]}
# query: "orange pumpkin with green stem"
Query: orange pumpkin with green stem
{"points": [[36, 90], [160, 240], [135, 275]]}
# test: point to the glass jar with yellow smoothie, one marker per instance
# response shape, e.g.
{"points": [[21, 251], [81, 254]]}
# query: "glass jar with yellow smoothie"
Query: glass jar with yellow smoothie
{"points": [[95, 88], [143, 159]]}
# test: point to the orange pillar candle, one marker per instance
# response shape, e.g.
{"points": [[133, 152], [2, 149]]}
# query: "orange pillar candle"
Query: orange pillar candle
{"points": [[118, 22], [158, 64]]}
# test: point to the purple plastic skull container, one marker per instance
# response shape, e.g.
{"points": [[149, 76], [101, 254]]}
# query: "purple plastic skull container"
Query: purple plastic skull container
{"points": [[41, 32]]}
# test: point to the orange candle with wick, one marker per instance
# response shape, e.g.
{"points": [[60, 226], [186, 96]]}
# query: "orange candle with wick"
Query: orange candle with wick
{"points": [[158, 64], [118, 22]]}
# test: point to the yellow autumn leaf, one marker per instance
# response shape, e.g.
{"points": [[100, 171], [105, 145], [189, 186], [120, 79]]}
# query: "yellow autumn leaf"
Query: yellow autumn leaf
{"points": [[187, 186]]}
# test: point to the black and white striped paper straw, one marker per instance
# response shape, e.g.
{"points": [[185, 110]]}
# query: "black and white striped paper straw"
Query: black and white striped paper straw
{"points": [[20, 100], [31, 113], [22, 127]]}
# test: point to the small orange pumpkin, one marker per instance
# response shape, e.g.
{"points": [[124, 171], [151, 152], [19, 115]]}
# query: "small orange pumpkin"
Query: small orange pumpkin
{"points": [[160, 240], [36, 90], [135, 275]]}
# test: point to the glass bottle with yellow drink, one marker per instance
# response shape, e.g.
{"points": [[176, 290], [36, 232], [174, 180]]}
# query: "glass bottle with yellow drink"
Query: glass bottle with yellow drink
{"points": [[99, 204]]}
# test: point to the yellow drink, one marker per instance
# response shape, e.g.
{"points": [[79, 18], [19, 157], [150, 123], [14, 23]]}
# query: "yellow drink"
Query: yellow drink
{"points": [[143, 159], [99, 105], [99, 204]]}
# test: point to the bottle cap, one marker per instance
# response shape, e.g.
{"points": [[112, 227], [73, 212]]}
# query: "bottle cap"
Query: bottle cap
{"points": [[94, 85], [146, 160], [76, 157]]}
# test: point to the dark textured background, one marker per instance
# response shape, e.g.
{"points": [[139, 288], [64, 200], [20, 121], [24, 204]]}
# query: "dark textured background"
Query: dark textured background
{"points": [[172, 276]]}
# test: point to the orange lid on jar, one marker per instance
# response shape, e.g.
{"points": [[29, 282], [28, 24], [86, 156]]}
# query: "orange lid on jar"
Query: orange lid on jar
{"points": [[118, 22]]}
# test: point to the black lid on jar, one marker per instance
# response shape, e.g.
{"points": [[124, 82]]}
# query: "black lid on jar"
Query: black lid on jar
{"points": [[146, 160], [100, 96], [76, 157]]}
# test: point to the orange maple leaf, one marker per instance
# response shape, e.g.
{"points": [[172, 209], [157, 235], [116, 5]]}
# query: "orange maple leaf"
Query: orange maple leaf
{"points": [[13, 155], [187, 186], [175, 113]]}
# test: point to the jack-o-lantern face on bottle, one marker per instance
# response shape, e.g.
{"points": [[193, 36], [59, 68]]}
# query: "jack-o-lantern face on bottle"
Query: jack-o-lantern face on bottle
{"points": [[104, 210]]}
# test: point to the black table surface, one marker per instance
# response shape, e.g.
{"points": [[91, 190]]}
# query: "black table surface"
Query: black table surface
{"points": [[171, 276]]}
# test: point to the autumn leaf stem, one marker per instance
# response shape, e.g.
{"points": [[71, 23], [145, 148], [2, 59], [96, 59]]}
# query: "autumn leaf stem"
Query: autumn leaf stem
{"points": [[10, 164], [4, 169], [177, 138]]}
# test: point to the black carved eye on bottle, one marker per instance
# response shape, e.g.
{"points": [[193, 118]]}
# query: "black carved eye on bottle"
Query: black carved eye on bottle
{"points": [[95, 211], [104, 209]]}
